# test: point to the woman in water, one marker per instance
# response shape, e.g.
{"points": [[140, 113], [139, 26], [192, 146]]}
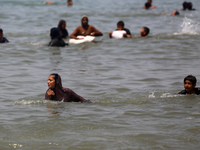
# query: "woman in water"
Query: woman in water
{"points": [[62, 29], [56, 40], [58, 93]]}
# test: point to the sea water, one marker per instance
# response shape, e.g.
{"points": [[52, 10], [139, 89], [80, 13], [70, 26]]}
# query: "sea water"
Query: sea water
{"points": [[133, 83]]}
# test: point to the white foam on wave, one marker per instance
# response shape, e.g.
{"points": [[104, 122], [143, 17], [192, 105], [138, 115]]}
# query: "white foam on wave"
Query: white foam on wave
{"points": [[168, 95], [152, 95], [190, 27], [34, 102]]}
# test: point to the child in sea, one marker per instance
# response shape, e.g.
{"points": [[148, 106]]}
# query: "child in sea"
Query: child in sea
{"points": [[190, 86], [144, 32], [2, 39]]}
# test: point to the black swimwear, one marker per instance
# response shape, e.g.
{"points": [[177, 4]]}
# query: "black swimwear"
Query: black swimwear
{"points": [[184, 92], [127, 31], [57, 43], [56, 40], [3, 40]]}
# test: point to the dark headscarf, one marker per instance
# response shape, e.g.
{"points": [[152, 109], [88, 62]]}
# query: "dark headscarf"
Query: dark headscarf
{"points": [[54, 33], [64, 94], [63, 32]]}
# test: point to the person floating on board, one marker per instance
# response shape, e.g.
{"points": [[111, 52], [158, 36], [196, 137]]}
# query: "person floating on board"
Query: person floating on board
{"points": [[2, 38], [58, 93], [85, 29], [190, 86], [144, 32], [120, 27]]}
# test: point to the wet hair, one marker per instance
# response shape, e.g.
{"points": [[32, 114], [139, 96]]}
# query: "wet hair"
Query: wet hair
{"points": [[55, 76], [147, 30], [177, 13], [147, 5], [187, 5], [120, 23], [61, 22], [190, 78]]}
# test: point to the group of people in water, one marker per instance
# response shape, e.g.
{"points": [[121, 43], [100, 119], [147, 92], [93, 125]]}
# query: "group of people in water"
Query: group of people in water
{"points": [[55, 90], [59, 33]]}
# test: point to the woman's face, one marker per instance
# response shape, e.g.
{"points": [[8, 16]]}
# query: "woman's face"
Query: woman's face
{"points": [[51, 82], [142, 32], [64, 25]]}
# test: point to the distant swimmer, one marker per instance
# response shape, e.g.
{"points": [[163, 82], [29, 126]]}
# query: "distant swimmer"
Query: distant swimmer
{"points": [[2, 38], [62, 29], [190, 86], [48, 2], [58, 93], [175, 13], [69, 3], [85, 29], [148, 5], [56, 40], [120, 27], [187, 6], [144, 32]]}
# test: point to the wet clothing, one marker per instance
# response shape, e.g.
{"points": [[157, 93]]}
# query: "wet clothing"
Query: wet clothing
{"points": [[57, 43], [3, 40], [127, 31], [63, 32], [197, 91], [56, 40], [64, 94]]}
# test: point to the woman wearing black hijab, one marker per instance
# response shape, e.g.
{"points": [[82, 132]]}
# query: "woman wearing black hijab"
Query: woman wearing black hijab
{"points": [[62, 29], [56, 39]]}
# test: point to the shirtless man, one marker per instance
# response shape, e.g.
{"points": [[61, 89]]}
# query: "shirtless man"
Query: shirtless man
{"points": [[85, 29], [148, 5]]}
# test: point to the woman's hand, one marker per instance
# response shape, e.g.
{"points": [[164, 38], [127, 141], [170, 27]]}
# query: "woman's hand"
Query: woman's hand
{"points": [[50, 93]]}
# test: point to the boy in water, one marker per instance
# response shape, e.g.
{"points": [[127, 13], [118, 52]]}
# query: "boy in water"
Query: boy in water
{"points": [[120, 27], [189, 85], [144, 32], [2, 39]]}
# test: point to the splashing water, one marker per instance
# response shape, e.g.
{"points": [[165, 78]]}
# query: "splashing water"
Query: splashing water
{"points": [[190, 27]]}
